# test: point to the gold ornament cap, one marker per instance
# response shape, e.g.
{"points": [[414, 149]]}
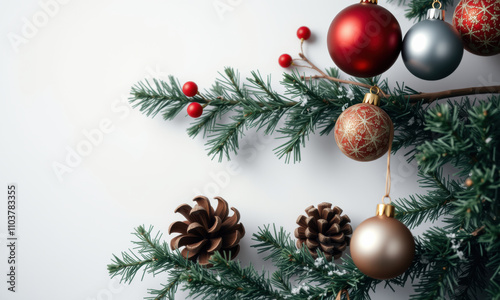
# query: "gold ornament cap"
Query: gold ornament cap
{"points": [[385, 210], [370, 1], [436, 13], [371, 97]]}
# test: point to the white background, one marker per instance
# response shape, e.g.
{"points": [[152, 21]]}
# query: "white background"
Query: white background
{"points": [[77, 70]]}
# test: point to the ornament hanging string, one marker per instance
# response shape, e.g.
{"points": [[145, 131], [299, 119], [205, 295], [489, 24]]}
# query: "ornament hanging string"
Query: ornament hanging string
{"points": [[388, 174], [339, 295]]}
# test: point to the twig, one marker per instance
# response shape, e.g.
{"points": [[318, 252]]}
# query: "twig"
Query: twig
{"points": [[325, 76], [430, 97], [477, 231], [426, 97]]}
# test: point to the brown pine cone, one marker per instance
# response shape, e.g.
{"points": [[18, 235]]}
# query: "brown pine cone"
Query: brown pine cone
{"points": [[324, 229], [206, 231]]}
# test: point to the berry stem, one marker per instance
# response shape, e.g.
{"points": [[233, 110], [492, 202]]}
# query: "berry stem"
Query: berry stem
{"points": [[206, 100], [325, 76]]}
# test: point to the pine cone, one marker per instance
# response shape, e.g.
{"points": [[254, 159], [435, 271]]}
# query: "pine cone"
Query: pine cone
{"points": [[324, 229], [206, 231]]}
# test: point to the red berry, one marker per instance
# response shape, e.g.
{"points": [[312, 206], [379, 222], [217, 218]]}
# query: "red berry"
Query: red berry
{"points": [[304, 33], [194, 110], [285, 60], [190, 89]]}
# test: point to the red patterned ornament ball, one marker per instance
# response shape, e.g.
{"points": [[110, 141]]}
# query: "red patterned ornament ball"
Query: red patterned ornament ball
{"points": [[363, 132], [364, 39], [478, 22]]}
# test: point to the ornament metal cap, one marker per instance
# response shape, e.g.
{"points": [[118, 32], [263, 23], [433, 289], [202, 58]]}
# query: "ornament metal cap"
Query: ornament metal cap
{"points": [[371, 97], [385, 210], [370, 1], [435, 13]]}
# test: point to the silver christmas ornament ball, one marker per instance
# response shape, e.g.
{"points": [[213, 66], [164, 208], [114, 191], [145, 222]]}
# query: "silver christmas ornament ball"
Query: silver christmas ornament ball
{"points": [[432, 49]]}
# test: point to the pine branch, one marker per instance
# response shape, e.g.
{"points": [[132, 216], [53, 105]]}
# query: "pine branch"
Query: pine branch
{"points": [[271, 106], [461, 134], [453, 145], [290, 260], [483, 121], [328, 278], [128, 266], [209, 286], [419, 209], [409, 126], [473, 273], [223, 281], [440, 262], [161, 97], [282, 281], [225, 137], [438, 266], [255, 104], [301, 127], [206, 122], [152, 256], [149, 253], [463, 140], [231, 83], [248, 277], [168, 290], [491, 238], [304, 120]]}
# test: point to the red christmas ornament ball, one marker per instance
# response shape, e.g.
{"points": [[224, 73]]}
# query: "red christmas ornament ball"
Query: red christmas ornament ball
{"points": [[190, 89], [478, 22], [363, 132], [304, 33], [285, 60], [194, 110], [364, 39]]}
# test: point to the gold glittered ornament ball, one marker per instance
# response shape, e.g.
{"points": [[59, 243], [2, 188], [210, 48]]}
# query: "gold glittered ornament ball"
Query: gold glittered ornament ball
{"points": [[364, 131], [382, 247]]}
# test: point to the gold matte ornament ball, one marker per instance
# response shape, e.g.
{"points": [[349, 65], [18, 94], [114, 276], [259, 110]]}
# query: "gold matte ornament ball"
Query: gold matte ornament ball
{"points": [[382, 247]]}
